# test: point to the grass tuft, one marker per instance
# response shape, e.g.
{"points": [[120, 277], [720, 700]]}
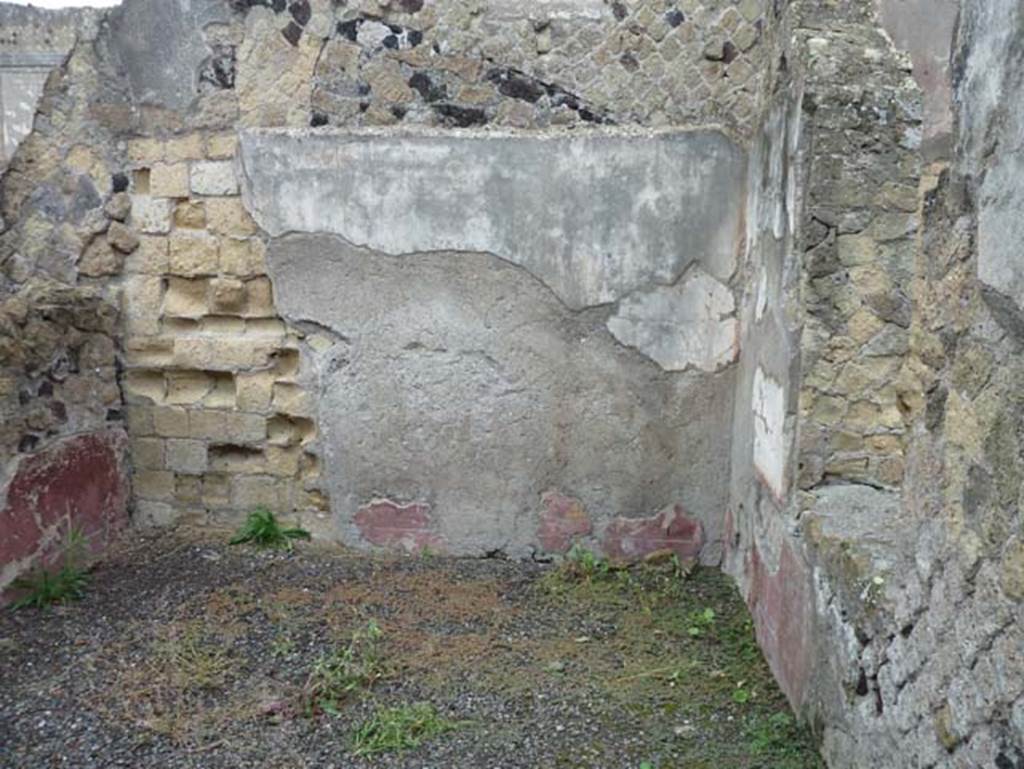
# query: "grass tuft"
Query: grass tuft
{"points": [[43, 588], [402, 728], [337, 676], [782, 743], [262, 529]]}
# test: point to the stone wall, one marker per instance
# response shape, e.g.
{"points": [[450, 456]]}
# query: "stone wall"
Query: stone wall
{"points": [[63, 448], [735, 279], [232, 378], [32, 43], [878, 545]]}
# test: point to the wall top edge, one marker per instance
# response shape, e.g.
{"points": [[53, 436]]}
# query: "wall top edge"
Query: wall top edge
{"points": [[553, 133]]}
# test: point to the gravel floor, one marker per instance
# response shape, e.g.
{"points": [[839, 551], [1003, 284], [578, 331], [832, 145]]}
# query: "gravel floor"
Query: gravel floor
{"points": [[189, 653]]}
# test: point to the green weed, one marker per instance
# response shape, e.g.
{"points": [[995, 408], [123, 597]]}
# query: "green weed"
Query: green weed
{"points": [[782, 743], [43, 588], [701, 622], [585, 565], [401, 728], [262, 529], [282, 646], [345, 671]]}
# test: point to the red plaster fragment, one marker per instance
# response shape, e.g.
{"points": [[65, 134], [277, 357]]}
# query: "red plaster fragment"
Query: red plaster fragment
{"points": [[79, 483], [563, 519], [630, 539], [780, 604], [389, 524]]}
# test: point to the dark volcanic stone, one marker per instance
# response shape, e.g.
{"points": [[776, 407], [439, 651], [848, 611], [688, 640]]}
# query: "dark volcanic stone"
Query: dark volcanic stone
{"points": [[461, 117]]}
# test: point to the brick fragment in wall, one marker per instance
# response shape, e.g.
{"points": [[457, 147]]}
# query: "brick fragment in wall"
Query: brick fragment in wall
{"points": [[229, 426], [190, 255], [244, 258], [190, 214], [227, 216], [186, 297], [151, 513], [221, 146], [151, 215], [259, 299], [147, 453], [182, 148], [255, 390], [223, 354], [186, 456], [150, 258], [145, 386], [187, 387], [119, 207], [215, 177], [122, 238], [169, 180], [100, 259], [266, 327], [222, 324], [154, 484], [187, 490], [227, 295], [169, 422], [288, 431], [292, 400], [252, 491]]}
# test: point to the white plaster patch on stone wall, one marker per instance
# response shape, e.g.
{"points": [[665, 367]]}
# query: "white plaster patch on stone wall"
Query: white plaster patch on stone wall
{"points": [[769, 407], [20, 90], [762, 294], [690, 324], [594, 217], [1001, 225]]}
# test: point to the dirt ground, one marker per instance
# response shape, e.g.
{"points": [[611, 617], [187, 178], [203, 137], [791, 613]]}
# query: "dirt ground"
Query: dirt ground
{"points": [[187, 652]]}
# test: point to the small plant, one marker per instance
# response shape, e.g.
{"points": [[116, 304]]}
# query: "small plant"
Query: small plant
{"points": [[282, 646], [779, 739], [262, 529], [336, 676], [701, 622], [401, 728], [43, 588], [741, 695], [190, 662], [584, 564]]}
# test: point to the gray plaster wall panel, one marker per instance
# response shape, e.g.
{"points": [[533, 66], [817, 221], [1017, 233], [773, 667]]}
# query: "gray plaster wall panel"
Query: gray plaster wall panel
{"points": [[460, 382], [992, 138], [925, 30], [161, 47], [594, 216]]}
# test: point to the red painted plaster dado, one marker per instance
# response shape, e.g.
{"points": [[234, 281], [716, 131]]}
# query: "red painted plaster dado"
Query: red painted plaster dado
{"points": [[80, 483]]}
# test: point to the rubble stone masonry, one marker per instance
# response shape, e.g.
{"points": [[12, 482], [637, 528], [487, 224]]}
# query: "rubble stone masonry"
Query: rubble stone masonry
{"points": [[763, 309]]}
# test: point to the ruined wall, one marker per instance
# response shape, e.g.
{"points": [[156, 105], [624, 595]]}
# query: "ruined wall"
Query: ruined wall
{"points": [[498, 278], [32, 43], [881, 571], [63, 462], [243, 386]]}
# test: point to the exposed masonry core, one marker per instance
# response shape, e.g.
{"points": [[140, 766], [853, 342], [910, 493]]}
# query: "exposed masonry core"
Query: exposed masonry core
{"points": [[735, 279]]}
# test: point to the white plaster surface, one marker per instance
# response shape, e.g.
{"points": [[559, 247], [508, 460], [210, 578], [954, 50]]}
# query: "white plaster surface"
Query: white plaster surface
{"points": [[769, 407], [594, 216], [690, 324]]}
